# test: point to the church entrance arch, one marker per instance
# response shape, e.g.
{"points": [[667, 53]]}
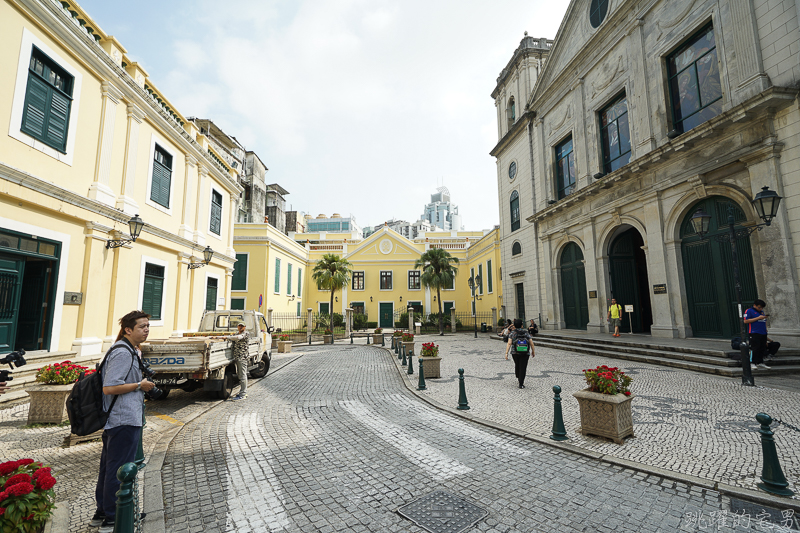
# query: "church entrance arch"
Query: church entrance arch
{"points": [[573, 287], [708, 271], [629, 281]]}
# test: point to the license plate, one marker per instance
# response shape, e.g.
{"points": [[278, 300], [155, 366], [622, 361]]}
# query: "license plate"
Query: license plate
{"points": [[165, 381]]}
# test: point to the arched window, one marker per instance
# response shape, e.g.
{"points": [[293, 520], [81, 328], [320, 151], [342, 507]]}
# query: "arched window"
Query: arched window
{"points": [[514, 211], [516, 248]]}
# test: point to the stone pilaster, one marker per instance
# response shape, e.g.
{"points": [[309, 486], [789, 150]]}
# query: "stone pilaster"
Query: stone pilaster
{"points": [[231, 221], [752, 78], [189, 179], [201, 207], [656, 255], [639, 97], [125, 201], [100, 189]]}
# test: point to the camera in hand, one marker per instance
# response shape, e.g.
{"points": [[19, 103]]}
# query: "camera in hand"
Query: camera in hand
{"points": [[154, 393], [12, 359]]}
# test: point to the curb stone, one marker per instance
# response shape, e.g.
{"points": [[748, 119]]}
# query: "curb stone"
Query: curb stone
{"points": [[153, 487], [762, 498], [59, 520]]}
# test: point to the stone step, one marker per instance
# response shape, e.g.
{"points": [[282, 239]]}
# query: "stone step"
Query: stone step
{"points": [[623, 341]]}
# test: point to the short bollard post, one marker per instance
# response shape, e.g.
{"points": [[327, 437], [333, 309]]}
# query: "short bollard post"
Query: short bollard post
{"points": [[772, 476], [351, 338], [559, 431], [396, 347], [383, 340], [123, 520], [410, 362], [462, 392], [403, 353], [421, 384], [368, 336]]}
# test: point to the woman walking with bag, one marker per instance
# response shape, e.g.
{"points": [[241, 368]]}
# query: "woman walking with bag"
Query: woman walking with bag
{"points": [[522, 344]]}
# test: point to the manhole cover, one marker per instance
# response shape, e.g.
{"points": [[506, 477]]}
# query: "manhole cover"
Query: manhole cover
{"points": [[442, 512], [767, 517]]}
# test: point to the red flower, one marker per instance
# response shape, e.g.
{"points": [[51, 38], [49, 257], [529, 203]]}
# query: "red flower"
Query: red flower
{"points": [[3, 496], [8, 467], [17, 478], [26, 462], [46, 482], [20, 489], [2, 511], [28, 517], [627, 393], [42, 471]]}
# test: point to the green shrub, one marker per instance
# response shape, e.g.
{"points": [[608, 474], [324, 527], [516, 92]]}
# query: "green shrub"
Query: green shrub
{"points": [[360, 322], [372, 325]]}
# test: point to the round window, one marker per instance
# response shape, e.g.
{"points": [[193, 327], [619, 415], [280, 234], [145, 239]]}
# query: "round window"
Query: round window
{"points": [[512, 170], [597, 12]]}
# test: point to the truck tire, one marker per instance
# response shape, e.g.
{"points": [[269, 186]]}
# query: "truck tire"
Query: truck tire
{"points": [[263, 366], [228, 383]]}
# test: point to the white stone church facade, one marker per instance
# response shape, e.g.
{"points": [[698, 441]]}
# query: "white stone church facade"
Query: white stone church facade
{"points": [[613, 135]]}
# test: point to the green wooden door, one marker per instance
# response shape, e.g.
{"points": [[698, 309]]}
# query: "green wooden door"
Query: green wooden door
{"points": [[36, 286], [708, 271], [211, 294], [573, 288], [386, 315], [324, 308], [11, 271], [625, 280]]}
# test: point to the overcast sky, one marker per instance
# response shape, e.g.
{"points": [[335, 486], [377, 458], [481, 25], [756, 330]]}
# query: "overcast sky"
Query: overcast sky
{"points": [[359, 107]]}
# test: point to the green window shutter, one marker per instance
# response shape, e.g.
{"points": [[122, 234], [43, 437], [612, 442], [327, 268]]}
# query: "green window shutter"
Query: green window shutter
{"points": [[36, 99], [153, 290], [237, 304], [211, 294], [489, 275], [216, 213], [239, 280], [162, 179], [58, 121], [299, 286], [289, 278], [277, 275], [480, 275], [298, 308]]}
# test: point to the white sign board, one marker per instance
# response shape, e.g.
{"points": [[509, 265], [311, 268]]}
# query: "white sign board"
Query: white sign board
{"points": [[629, 309]]}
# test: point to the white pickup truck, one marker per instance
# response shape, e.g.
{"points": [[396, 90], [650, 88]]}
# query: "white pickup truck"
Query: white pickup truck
{"points": [[197, 361]]}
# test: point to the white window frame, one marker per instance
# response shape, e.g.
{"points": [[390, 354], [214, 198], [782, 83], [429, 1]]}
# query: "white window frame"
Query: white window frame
{"points": [[155, 139], [380, 276], [408, 280], [214, 188], [21, 85], [205, 287], [247, 277], [319, 308], [454, 286], [158, 262], [364, 279]]}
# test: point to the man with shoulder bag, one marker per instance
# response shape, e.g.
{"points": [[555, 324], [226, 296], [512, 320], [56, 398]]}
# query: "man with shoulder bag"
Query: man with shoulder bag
{"points": [[123, 399]]}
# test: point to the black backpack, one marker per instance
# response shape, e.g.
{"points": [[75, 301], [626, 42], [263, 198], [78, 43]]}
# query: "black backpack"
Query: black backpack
{"points": [[85, 402]]}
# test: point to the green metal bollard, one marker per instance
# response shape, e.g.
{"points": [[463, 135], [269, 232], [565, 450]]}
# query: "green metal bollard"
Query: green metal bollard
{"points": [[368, 336], [772, 476], [403, 353], [383, 340], [462, 392], [559, 431], [421, 384], [351, 338], [126, 511], [396, 347], [139, 458], [411, 362]]}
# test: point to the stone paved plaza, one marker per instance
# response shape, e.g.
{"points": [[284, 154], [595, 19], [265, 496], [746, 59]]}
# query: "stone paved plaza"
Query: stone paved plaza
{"points": [[333, 440], [697, 424]]}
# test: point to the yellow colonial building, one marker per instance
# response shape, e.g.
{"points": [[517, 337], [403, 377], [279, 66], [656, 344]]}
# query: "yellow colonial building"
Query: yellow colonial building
{"points": [[273, 272], [87, 141]]}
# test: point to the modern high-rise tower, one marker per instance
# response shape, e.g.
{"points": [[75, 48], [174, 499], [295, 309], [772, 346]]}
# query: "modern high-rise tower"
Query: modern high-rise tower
{"points": [[441, 212]]}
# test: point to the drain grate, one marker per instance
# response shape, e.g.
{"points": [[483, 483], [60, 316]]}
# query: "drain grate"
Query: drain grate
{"points": [[442, 512]]}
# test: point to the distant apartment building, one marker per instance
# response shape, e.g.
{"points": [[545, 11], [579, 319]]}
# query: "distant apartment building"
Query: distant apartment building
{"points": [[335, 224], [441, 212]]}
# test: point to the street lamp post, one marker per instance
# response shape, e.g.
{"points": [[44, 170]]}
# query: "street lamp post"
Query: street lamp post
{"points": [[474, 283], [766, 205]]}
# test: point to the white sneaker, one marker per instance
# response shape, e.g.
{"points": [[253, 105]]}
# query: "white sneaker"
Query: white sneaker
{"points": [[762, 365], [753, 367]]}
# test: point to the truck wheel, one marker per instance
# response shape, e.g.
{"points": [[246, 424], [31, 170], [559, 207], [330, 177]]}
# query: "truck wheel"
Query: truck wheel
{"points": [[228, 383], [263, 367]]}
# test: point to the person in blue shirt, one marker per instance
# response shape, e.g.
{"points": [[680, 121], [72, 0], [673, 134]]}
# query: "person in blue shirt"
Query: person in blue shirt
{"points": [[756, 322]]}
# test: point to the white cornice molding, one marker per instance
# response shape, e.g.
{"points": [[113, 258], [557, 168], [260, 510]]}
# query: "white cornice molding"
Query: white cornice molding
{"points": [[23, 179], [270, 242], [89, 52]]}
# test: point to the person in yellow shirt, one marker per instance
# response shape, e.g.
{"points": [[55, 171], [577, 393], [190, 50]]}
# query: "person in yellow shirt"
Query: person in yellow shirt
{"points": [[615, 316]]}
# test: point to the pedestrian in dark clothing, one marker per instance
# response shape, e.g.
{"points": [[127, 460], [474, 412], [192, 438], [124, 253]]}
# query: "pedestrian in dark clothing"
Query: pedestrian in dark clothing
{"points": [[241, 347], [756, 322], [122, 378], [522, 347]]}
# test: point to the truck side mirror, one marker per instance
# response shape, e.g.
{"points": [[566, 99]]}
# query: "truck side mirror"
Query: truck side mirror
{"points": [[271, 329]]}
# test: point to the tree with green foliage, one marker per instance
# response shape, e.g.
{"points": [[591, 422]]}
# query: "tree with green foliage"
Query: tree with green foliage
{"points": [[331, 273], [438, 272]]}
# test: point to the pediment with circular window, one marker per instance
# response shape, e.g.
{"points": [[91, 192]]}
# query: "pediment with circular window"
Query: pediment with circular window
{"points": [[597, 12]]}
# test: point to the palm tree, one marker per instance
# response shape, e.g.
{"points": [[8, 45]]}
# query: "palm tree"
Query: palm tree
{"points": [[331, 273], [438, 273]]}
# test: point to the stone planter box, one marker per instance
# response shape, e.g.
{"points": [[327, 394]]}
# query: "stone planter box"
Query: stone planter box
{"points": [[48, 404], [377, 338], [327, 339], [274, 342], [409, 347], [431, 367], [605, 415], [284, 346]]}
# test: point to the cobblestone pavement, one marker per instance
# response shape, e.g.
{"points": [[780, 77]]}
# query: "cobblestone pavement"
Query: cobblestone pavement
{"points": [[688, 422], [335, 442], [75, 467]]}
